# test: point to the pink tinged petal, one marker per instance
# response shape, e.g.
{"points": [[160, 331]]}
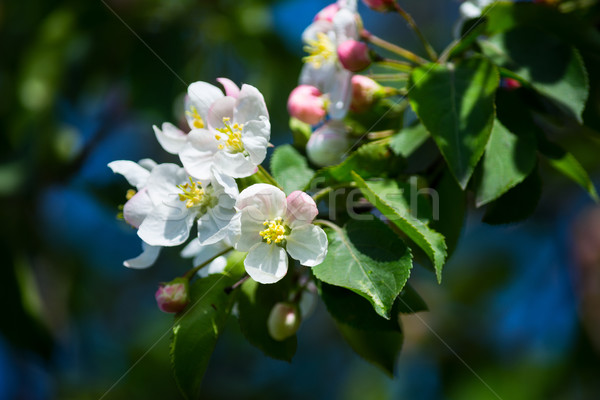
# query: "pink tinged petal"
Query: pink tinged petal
{"points": [[144, 260], [301, 209], [251, 223], [163, 181], [268, 199], [212, 226], [235, 165], [137, 208], [202, 95], [250, 105], [170, 137], [163, 228], [222, 108], [266, 263], [307, 244], [135, 174], [327, 13], [231, 88]]}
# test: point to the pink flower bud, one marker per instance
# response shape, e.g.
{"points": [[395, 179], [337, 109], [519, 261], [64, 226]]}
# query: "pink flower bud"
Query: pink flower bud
{"points": [[510, 84], [307, 104], [380, 5], [327, 13], [328, 144], [364, 92], [284, 321], [354, 55], [172, 297]]}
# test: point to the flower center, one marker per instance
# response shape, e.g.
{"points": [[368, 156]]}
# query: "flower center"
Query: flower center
{"points": [[130, 193], [275, 231], [197, 119], [320, 51], [193, 194], [233, 139]]}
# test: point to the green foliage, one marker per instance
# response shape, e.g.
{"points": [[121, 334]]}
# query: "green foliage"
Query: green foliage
{"points": [[255, 304], [455, 102], [507, 161], [196, 330], [549, 65], [388, 198], [365, 256], [290, 169], [408, 140]]}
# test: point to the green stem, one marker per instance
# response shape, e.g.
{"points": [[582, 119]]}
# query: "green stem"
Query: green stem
{"points": [[384, 44], [388, 77], [328, 224], [395, 64], [188, 275], [324, 192], [381, 135], [237, 284], [267, 176], [411, 22]]}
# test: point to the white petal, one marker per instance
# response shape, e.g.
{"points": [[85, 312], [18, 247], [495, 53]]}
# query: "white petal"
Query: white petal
{"points": [[162, 183], [235, 165], [256, 147], [251, 223], [144, 260], [222, 108], [268, 199], [135, 174], [212, 226], [224, 184], [250, 105], [191, 249], [147, 163], [215, 267], [266, 263], [202, 95], [340, 94], [345, 25], [137, 208], [322, 78], [307, 244], [258, 128], [231, 88], [170, 137], [319, 26], [196, 161], [301, 209], [164, 228]]}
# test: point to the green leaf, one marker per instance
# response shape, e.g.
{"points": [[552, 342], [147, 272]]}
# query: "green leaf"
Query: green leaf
{"points": [[197, 329], [388, 198], [290, 168], [451, 207], [455, 102], [565, 163], [367, 257], [408, 140], [300, 132], [255, 304], [552, 67], [369, 160], [507, 161], [378, 347], [517, 204]]}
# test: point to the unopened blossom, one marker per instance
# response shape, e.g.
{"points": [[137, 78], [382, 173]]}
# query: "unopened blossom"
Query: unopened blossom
{"points": [[307, 104], [322, 68], [355, 56], [380, 5], [365, 91], [284, 321], [329, 144], [273, 226], [172, 297], [181, 201], [234, 138], [138, 205]]}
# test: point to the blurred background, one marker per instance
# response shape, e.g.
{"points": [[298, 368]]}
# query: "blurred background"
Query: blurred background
{"points": [[82, 83]]}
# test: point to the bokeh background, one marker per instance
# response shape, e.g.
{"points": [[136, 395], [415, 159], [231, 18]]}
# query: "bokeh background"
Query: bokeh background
{"points": [[82, 83]]}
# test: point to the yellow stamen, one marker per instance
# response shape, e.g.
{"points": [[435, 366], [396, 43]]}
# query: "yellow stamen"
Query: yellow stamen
{"points": [[130, 193], [320, 51], [234, 136], [198, 123], [275, 231], [193, 194]]}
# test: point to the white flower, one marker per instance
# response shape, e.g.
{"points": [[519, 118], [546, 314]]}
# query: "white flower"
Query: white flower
{"points": [[322, 68], [201, 254], [235, 139], [138, 205], [272, 224], [179, 201]]}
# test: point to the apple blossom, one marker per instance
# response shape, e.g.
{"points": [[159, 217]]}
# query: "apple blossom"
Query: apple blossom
{"points": [[200, 254], [307, 104], [328, 144], [273, 226]]}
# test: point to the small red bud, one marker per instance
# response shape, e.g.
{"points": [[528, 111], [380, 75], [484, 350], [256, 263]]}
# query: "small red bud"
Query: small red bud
{"points": [[307, 104], [284, 321], [354, 55], [172, 297], [381, 5]]}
